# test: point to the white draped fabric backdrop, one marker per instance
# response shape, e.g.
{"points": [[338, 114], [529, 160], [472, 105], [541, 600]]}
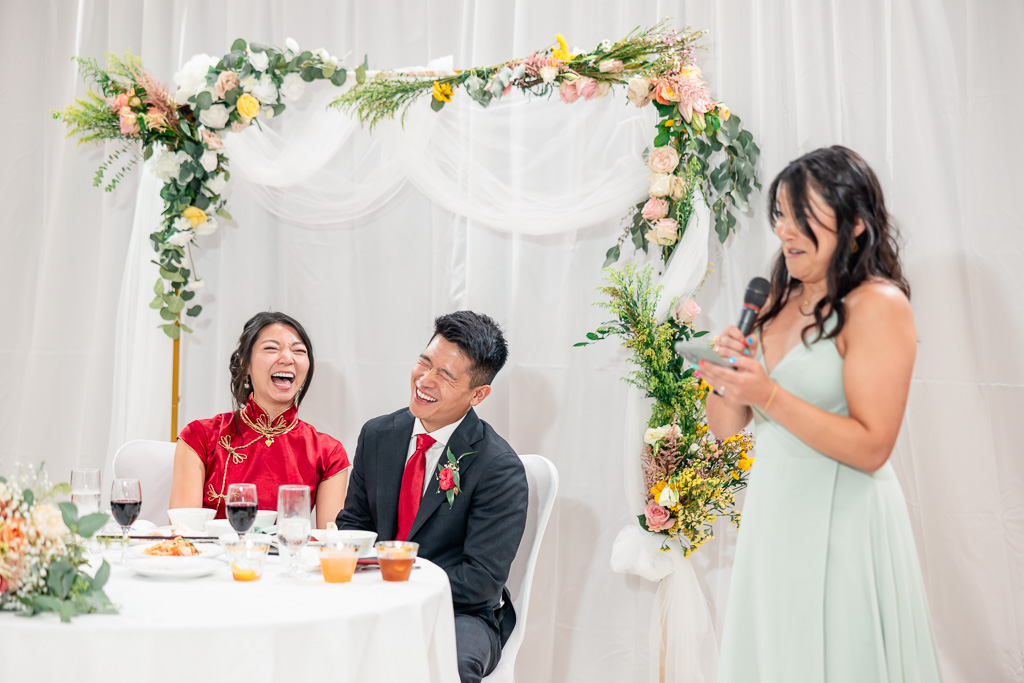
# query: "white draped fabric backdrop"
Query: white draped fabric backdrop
{"points": [[365, 238]]}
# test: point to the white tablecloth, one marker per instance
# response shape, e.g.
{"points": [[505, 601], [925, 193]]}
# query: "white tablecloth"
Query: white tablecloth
{"points": [[220, 630]]}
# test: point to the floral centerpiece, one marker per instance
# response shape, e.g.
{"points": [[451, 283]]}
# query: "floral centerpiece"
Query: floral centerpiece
{"points": [[691, 478], [185, 129], [699, 145], [41, 551]]}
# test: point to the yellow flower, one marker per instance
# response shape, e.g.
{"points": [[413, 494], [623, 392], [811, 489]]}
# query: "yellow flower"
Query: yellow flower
{"points": [[723, 112], [735, 475], [442, 92], [562, 51], [669, 123], [745, 463], [196, 216], [657, 489], [248, 107]]}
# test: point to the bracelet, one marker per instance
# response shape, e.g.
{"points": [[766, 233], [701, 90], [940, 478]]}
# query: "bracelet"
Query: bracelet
{"points": [[775, 387]]}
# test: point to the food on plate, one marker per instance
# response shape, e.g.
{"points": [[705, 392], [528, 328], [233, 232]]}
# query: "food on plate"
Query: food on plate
{"points": [[176, 547]]}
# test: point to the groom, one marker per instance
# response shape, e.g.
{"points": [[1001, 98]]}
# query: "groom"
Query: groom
{"points": [[400, 483]]}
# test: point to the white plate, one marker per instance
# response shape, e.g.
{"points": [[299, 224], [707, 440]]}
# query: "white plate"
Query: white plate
{"points": [[206, 550], [174, 567]]}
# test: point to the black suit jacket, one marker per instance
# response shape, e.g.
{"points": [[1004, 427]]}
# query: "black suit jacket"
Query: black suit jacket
{"points": [[476, 539]]}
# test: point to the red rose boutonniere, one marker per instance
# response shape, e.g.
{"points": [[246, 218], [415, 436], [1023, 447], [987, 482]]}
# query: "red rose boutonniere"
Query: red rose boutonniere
{"points": [[448, 476]]}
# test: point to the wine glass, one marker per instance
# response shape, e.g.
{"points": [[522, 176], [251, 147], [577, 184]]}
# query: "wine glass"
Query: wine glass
{"points": [[292, 524], [241, 507], [85, 491], [125, 504]]}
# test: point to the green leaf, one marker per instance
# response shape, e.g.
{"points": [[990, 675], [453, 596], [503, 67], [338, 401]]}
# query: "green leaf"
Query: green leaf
{"points": [[259, 47], [166, 314], [231, 97], [202, 202], [239, 45], [204, 100], [662, 138], [158, 288], [223, 213], [361, 70], [451, 457], [308, 73], [328, 70], [188, 295], [186, 328], [169, 275], [90, 524], [450, 495], [700, 334], [339, 77], [593, 337], [60, 577], [44, 603], [581, 344], [436, 104], [194, 311], [172, 331], [102, 574], [147, 152], [175, 303], [612, 256], [69, 512], [279, 109], [29, 497], [664, 110], [643, 522]]}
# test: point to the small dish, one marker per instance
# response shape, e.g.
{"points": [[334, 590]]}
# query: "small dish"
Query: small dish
{"points": [[174, 567]]}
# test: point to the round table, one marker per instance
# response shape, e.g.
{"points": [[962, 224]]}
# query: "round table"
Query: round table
{"points": [[216, 629]]}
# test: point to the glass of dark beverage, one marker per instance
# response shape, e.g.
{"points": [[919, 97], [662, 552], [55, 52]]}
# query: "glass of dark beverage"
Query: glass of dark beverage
{"points": [[241, 507], [125, 504]]}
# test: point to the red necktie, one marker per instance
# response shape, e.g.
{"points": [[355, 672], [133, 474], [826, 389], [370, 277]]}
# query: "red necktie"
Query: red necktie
{"points": [[412, 486]]}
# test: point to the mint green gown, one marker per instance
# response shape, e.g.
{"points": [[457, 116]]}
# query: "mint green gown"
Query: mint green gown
{"points": [[826, 584]]}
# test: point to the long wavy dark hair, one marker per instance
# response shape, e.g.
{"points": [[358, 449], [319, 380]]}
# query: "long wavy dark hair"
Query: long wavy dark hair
{"points": [[242, 354], [847, 184]]}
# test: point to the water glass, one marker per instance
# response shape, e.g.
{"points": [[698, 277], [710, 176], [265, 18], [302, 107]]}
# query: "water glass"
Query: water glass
{"points": [[293, 526], [85, 491]]}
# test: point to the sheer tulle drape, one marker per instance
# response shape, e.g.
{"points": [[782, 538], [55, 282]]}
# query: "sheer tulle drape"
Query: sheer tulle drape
{"points": [[365, 254]]}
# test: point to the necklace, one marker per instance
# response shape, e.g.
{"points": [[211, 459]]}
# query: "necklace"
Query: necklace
{"points": [[268, 431]]}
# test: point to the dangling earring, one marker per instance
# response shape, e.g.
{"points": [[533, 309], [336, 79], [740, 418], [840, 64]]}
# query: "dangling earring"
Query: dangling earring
{"points": [[246, 385], [854, 247]]}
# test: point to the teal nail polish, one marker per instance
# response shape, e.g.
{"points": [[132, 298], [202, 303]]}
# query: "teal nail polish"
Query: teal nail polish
{"points": [[746, 352], [732, 360], [750, 340]]}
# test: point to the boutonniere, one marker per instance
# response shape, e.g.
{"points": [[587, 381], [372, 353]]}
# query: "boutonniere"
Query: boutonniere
{"points": [[448, 476]]}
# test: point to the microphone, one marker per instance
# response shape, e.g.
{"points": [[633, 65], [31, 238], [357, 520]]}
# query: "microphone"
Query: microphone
{"points": [[753, 300]]}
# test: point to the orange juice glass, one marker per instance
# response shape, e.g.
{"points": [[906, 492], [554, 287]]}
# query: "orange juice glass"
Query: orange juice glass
{"points": [[396, 559], [247, 557], [338, 561]]}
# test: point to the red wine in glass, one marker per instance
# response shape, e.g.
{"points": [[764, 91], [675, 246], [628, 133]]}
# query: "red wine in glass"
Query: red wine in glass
{"points": [[125, 504], [125, 511], [241, 516], [240, 507]]}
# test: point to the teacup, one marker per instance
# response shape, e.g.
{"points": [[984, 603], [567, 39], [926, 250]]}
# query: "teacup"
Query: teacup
{"points": [[365, 539], [193, 519]]}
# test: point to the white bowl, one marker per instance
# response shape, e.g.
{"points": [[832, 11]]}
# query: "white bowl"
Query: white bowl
{"points": [[218, 527], [365, 539], [265, 518], [194, 519]]}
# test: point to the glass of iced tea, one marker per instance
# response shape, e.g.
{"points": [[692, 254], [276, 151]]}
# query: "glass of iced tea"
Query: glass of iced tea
{"points": [[396, 559], [338, 561]]}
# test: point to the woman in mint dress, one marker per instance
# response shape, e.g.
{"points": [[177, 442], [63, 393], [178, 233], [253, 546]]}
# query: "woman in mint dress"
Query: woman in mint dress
{"points": [[826, 584]]}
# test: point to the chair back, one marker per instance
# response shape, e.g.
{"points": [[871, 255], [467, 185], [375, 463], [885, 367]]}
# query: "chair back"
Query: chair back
{"points": [[152, 463], [543, 480]]}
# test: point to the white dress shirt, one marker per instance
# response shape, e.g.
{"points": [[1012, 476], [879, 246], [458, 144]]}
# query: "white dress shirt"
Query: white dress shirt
{"points": [[433, 455]]}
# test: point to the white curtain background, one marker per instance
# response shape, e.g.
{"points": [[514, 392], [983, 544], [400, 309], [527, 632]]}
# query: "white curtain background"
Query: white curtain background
{"points": [[509, 211]]}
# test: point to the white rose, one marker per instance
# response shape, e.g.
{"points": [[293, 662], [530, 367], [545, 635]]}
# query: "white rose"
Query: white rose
{"points": [[655, 434], [216, 117], [182, 224], [668, 497], [259, 60], [48, 521], [291, 45], [216, 184], [293, 87], [548, 73], [661, 184], [195, 285], [207, 227], [265, 91], [323, 54], [694, 447], [639, 91], [209, 161], [166, 165], [248, 83], [180, 239], [192, 77]]}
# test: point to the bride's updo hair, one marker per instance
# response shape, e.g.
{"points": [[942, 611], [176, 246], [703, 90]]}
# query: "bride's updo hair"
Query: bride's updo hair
{"points": [[239, 365], [847, 184]]}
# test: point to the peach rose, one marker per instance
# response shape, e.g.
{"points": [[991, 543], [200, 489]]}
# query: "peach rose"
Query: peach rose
{"points": [[666, 185], [119, 102], [567, 90], [212, 140], [686, 311], [658, 518], [610, 66], [226, 82], [663, 159], [129, 122], [665, 232], [586, 87], [654, 209], [639, 91], [665, 92]]}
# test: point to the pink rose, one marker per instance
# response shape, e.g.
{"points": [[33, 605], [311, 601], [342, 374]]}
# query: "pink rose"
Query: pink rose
{"points": [[654, 209], [226, 81], [129, 122], [119, 102], [3, 586], [446, 479], [567, 90], [686, 311], [663, 159], [237, 126], [212, 140], [586, 87], [658, 518], [665, 232]]}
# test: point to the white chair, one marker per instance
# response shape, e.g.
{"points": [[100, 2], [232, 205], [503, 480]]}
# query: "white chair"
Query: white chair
{"points": [[543, 479], [152, 463]]}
